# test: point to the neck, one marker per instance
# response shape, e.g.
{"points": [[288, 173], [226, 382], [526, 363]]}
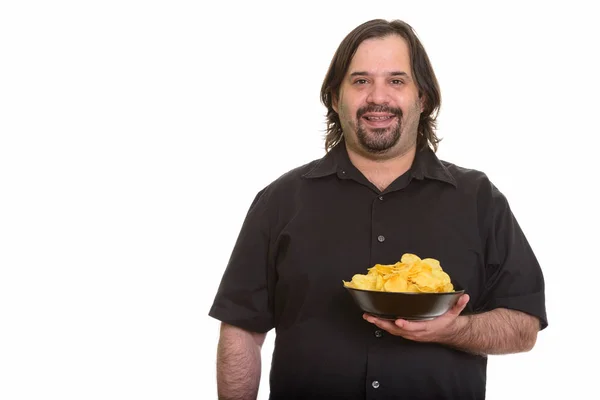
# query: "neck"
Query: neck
{"points": [[382, 172]]}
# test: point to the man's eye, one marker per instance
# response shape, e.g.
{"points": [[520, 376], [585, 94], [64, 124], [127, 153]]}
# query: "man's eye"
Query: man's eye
{"points": [[397, 82], [360, 81]]}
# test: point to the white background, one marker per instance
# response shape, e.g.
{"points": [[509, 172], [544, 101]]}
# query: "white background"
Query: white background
{"points": [[135, 134]]}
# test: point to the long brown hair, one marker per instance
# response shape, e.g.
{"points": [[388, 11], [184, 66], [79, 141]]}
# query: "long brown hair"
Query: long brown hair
{"points": [[422, 71]]}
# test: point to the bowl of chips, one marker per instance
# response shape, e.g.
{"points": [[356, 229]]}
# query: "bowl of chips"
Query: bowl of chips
{"points": [[411, 289]]}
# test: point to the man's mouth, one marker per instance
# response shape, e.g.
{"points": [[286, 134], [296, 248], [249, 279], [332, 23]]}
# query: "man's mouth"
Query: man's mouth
{"points": [[379, 120]]}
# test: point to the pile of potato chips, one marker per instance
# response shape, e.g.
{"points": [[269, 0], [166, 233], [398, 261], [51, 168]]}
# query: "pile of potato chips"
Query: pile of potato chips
{"points": [[410, 274]]}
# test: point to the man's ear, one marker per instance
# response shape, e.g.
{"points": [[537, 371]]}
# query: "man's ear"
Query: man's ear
{"points": [[422, 101], [334, 102]]}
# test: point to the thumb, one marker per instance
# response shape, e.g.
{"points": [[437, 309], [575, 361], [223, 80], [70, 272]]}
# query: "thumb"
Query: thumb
{"points": [[460, 305]]}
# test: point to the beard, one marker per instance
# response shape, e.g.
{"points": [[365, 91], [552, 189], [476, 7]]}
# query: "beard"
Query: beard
{"points": [[378, 140]]}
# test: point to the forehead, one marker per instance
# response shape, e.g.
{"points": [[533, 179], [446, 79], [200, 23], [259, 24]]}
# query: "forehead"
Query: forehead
{"points": [[386, 54]]}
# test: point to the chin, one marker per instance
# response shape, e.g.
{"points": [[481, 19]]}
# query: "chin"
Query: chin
{"points": [[380, 146]]}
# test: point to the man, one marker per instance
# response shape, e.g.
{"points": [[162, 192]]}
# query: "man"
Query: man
{"points": [[379, 192]]}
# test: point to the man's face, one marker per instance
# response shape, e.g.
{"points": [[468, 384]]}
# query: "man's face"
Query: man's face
{"points": [[378, 102]]}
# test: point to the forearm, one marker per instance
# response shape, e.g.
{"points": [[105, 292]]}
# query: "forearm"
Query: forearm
{"points": [[238, 363], [500, 331]]}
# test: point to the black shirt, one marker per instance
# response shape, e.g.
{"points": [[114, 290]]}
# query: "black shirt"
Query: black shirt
{"points": [[322, 223]]}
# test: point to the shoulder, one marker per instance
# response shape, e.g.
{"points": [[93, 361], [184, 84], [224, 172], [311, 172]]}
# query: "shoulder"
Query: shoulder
{"points": [[468, 178], [464, 176], [476, 183], [286, 183]]}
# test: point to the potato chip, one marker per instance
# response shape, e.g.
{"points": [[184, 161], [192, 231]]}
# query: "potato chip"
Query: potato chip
{"points": [[424, 279], [410, 274], [381, 269], [408, 258], [412, 288], [367, 282], [432, 262], [441, 276], [396, 284]]}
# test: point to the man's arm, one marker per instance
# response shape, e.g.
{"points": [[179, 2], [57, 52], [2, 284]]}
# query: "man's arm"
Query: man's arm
{"points": [[499, 331], [238, 363]]}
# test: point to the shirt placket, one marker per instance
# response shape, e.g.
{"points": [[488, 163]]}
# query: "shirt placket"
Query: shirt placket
{"points": [[375, 379]]}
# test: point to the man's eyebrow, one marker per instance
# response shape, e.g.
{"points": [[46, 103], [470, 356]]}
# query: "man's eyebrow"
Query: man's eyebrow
{"points": [[365, 73]]}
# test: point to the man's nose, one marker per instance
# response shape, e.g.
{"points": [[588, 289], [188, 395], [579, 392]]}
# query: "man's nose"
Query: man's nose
{"points": [[378, 94]]}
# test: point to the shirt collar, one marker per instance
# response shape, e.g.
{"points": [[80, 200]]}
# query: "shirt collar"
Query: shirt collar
{"points": [[428, 165], [425, 165], [335, 160]]}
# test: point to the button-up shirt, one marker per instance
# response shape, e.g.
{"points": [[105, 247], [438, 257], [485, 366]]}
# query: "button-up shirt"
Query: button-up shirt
{"points": [[323, 222]]}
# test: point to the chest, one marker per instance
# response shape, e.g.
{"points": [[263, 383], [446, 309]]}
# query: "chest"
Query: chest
{"points": [[326, 239]]}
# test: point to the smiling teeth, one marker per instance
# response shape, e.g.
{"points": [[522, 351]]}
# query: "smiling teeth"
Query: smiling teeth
{"points": [[377, 118]]}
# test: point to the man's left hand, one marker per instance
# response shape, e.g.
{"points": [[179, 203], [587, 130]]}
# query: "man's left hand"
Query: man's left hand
{"points": [[434, 330]]}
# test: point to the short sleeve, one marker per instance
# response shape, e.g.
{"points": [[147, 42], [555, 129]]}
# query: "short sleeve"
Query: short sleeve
{"points": [[513, 276], [242, 298]]}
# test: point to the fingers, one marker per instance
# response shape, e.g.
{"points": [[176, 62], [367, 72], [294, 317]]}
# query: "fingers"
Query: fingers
{"points": [[412, 326], [380, 323], [397, 327]]}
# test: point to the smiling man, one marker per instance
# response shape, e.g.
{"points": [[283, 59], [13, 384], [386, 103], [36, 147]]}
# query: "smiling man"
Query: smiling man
{"points": [[379, 192]]}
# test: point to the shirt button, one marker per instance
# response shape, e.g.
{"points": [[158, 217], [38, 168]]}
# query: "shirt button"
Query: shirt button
{"points": [[380, 197], [343, 172], [375, 384], [381, 238], [378, 333]]}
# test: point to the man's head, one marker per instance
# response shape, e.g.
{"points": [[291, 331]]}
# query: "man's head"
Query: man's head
{"points": [[381, 93]]}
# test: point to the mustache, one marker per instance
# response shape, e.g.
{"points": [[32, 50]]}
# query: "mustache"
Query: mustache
{"points": [[378, 108]]}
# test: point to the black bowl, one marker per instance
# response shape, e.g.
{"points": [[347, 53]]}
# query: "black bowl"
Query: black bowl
{"points": [[409, 306]]}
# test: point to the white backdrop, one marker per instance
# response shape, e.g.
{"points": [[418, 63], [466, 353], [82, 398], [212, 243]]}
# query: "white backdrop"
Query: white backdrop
{"points": [[133, 136]]}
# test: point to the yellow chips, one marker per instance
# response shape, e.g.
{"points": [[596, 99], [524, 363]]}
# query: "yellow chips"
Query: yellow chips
{"points": [[410, 274]]}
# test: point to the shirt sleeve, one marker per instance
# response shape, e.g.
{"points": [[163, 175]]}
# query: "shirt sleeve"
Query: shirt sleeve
{"points": [[243, 296], [514, 278]]}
